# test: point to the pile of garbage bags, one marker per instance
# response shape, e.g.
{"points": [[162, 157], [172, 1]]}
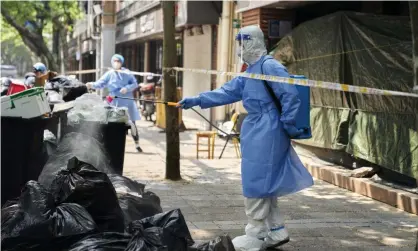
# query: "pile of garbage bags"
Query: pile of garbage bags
{"points": [[64, 89], [79, 145], [4, 85], [91, 107], [79, 206]]}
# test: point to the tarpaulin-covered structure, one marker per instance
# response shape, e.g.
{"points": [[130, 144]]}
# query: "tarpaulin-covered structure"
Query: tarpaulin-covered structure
{"points": [[363, 50]]}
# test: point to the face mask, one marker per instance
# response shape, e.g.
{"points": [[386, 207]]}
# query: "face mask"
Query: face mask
{"points": [[116, 65]]}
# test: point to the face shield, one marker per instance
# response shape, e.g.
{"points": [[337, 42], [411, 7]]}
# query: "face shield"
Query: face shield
{"points": [[239, 45]]}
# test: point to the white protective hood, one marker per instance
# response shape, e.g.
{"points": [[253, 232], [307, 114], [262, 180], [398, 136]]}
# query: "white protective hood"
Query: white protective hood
{"points": [[252, 46]]}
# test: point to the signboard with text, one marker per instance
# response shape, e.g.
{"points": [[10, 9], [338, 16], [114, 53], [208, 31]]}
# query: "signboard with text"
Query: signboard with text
{"points": [[130, 28], [147, 22]]}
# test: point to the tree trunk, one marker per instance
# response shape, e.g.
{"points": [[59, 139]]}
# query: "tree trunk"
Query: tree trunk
{"points": [[33, 41], [172, 168], [413, 10], [416, 245], [56, 45], [65, 49]]}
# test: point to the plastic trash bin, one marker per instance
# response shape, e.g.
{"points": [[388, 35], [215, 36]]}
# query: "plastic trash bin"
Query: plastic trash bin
{"points": [[22, 155], [112, 135], [57, 123]]}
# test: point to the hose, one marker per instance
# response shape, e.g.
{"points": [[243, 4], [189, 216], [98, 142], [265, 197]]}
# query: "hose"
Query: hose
{"points": [[175, 104]]}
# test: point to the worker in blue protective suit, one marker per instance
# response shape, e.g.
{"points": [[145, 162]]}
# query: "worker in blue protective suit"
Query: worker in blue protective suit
{"points": [[121, 83], [270, 167]]}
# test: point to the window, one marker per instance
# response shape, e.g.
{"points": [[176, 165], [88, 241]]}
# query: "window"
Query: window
{"points": [[159, 57], [140, 64], [156, 56]]}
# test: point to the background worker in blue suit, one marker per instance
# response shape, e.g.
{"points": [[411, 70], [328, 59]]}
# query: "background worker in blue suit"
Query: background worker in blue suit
{"points": [[270, 167], [121, 84]]}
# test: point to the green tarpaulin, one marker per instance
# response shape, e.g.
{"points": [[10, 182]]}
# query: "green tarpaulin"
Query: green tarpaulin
{"points": [[363, 50]]}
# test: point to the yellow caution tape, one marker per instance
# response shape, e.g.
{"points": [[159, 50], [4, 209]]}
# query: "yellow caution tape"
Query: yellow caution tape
{"points": [[82, 72], [140, 73], [108, 69], [305, 82]]}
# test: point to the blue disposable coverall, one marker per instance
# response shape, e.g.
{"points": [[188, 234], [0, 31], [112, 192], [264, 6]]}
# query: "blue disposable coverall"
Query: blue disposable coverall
{"points": [[115, 81], [270, 167]]}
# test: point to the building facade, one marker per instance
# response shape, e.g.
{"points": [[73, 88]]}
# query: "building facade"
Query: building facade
{"points": [[139, 38], [205, 32]]}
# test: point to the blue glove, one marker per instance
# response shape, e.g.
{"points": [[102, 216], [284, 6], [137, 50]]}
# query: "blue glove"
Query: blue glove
{"points": [[292, 131], [188, 103]]}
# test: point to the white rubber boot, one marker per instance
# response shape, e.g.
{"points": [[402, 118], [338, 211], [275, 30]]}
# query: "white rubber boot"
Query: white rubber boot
{"points": [[276, 237], [138, 148], [257, 210], [253, 240], [277, 234]]}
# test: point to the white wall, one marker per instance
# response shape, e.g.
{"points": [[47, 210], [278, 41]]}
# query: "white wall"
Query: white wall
{"points": [[197, 54]]}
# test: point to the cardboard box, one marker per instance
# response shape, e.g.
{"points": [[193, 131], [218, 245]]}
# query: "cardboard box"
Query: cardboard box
{"points": [[27, 104]]}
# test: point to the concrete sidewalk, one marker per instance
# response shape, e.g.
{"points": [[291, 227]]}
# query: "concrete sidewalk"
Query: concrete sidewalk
{"points": [[323, 217]]}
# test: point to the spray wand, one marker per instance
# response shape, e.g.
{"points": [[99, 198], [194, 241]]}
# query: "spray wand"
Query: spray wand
{"points": [[110, 99]]}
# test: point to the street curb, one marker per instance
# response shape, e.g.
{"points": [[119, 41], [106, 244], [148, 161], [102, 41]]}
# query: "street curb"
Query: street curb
{"points": [[403, 200]]}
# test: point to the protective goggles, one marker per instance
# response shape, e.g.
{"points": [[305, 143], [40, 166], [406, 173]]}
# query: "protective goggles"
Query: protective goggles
{"points": [[35, 70], [240, 37]]}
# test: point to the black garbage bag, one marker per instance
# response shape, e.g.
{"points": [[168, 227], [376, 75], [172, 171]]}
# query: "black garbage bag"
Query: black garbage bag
{"points": [[124, 184], [107, 241], [35, 222], [50, 142], [72, 93], [8, 210], [165, 231], [71, 88], [82, 146], [30, 79], [220, 243], [138, 208], [5, 83], [83, 184], [4, 90]]}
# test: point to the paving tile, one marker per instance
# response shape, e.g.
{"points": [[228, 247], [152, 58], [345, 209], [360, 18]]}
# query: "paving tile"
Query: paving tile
{"points": [[323, 217], [210, 225]]}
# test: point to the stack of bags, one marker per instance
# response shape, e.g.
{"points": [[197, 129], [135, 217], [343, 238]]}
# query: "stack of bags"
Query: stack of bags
{"points": [[80, 207]]}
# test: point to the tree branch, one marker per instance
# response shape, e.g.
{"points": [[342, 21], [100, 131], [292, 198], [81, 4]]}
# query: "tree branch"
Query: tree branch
{"points": [[12, 22]]}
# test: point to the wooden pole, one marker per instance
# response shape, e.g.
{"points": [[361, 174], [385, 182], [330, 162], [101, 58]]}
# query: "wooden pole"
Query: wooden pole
{"points": [[172, 168], [413, 11]]}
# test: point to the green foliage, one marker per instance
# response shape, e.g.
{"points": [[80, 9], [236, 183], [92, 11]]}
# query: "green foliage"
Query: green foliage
{"points": [[34, 22], [8, 33], [17, 55], [42, 13]]}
